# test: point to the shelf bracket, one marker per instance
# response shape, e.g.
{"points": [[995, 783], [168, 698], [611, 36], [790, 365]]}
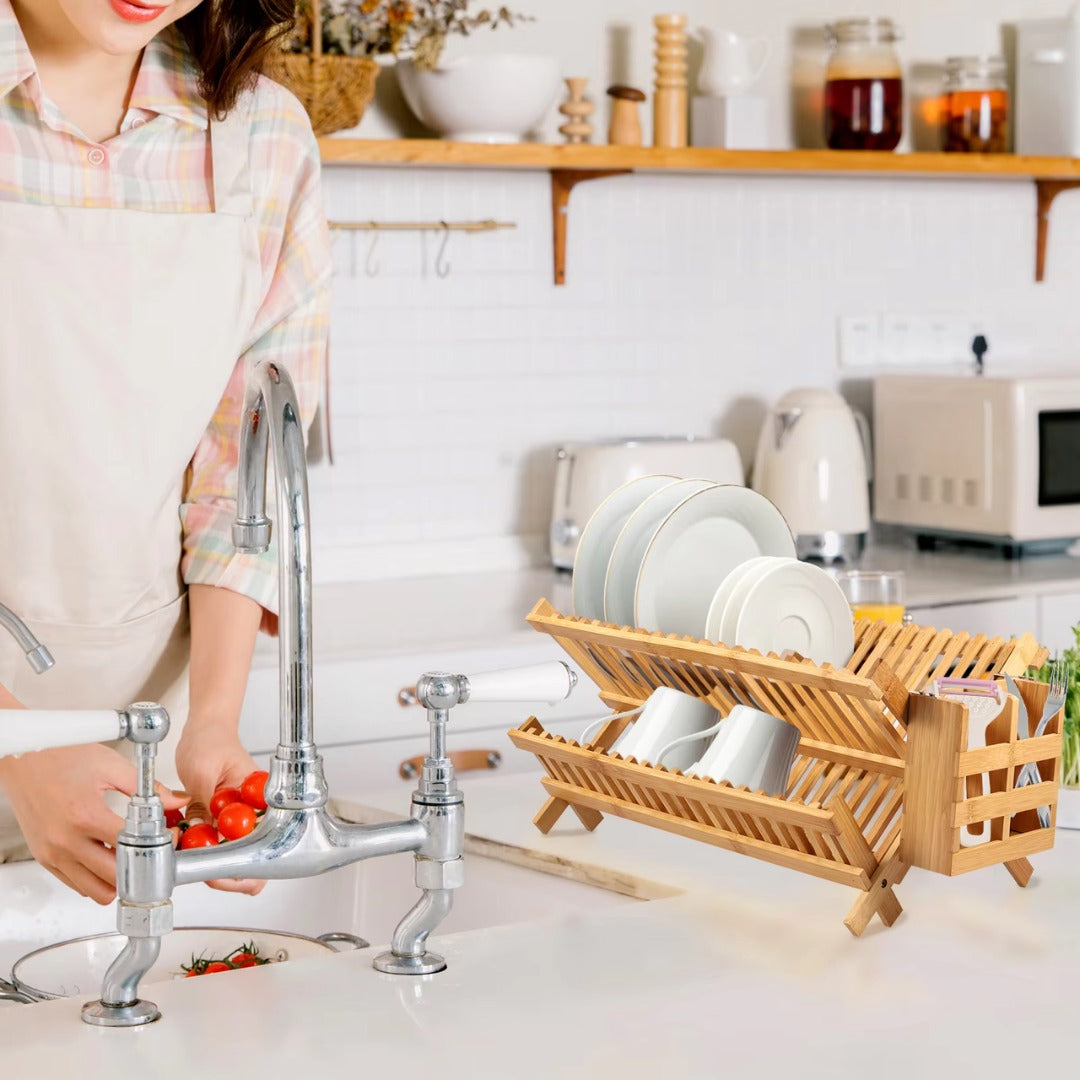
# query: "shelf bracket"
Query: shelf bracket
{"points": [[1047, 191], [563, 182]]}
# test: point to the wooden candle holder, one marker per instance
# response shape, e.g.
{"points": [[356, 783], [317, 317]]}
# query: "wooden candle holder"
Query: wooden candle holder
{"points": [[671, 101], [878, 783], [577, 111]]}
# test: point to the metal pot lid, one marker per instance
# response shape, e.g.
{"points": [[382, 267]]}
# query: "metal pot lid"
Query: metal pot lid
{"points": [[76, 968]]}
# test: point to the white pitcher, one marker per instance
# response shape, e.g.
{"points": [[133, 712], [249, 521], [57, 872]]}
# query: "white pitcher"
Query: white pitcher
{"points": [[732, 63]]}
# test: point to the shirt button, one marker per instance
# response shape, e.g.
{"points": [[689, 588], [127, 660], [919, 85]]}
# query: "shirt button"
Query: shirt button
{"points": [[96, 156]]}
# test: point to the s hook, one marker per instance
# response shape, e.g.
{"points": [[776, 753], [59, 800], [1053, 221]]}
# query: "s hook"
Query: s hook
{"points": [[442, 267], [371, 267]]}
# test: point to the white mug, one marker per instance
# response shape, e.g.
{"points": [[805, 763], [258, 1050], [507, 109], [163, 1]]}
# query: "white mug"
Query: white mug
{"points": [[732, 63], [752, 749], [668, 715]]}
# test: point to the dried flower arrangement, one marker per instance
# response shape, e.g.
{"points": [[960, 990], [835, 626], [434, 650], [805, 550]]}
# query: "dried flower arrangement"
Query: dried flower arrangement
{"points": [[414, 28]]}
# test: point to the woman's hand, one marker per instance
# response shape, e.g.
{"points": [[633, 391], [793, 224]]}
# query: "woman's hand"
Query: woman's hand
{"points": [[58, 799], [209, 757]]}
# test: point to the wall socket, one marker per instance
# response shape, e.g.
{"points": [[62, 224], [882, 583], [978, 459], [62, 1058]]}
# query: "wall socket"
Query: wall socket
{"points": [[895, 340]]}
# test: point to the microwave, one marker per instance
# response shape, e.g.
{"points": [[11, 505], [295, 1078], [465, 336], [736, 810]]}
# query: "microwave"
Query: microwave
{"points": [[979, 457]]}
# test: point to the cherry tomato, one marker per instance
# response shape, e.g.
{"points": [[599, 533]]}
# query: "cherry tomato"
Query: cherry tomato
{"points": [[222, 797], [201, 835], [236, 820], [215, 966], [173, 818], [253, 789], [243, 960]]}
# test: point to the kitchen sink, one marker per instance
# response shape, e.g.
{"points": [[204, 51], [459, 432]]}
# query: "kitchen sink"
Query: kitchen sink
{"points": [[367, 898]]}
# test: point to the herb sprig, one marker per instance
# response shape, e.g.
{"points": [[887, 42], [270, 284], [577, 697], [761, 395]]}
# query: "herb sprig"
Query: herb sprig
{"points": [[1070, 755]]}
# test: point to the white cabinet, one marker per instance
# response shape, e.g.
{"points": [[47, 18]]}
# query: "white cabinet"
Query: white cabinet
{"points": [[1009, 617], [1059, 613]]}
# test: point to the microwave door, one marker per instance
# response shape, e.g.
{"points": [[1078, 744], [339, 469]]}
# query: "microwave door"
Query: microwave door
{"points": [[1059, 458]]}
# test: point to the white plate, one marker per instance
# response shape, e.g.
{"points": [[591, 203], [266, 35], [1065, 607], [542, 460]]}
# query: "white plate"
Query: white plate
{"points": [[798, 606], [714, 621], [696, 547], [632, 543], [598, 538]]}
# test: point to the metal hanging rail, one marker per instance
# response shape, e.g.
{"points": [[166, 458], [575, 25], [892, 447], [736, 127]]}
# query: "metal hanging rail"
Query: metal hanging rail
{"points": [[421, 226]]}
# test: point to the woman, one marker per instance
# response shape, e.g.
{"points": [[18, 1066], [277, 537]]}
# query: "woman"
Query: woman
{"points": [[161, 230]]}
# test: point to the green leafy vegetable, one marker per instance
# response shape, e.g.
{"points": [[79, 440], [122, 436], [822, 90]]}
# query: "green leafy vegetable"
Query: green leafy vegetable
{"points": [[1070, 756]]}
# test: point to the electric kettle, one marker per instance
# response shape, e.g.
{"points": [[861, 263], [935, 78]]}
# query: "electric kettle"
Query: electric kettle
{"points": [[813, 462]]}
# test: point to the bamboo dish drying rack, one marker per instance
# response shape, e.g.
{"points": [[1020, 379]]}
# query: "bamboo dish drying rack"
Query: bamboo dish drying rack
{"points": [[881, 780]]}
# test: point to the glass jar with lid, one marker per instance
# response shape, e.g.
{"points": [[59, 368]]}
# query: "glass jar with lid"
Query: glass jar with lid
{"points": [[976, 105], [864, 90]]}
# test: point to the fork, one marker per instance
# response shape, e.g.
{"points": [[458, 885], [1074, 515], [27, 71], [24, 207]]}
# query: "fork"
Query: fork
{"points": [[1055, 698]]}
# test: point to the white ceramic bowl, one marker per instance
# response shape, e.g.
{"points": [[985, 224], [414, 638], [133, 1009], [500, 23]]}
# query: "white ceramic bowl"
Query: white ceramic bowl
{"points": [[496, 98]]}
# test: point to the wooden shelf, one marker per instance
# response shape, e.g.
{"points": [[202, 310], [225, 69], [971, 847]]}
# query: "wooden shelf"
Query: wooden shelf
{"points": [[570, 165], [437, 153]]}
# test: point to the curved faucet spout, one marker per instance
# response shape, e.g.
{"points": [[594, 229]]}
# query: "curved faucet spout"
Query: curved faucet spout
{"points": [[39, 658], [272, 424]]}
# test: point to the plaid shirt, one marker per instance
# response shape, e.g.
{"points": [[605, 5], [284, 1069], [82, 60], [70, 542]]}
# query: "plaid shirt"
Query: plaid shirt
{"points": [[159, 161]]}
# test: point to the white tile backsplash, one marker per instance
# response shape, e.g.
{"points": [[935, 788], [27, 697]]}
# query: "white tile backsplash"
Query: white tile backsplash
{"points": [[692, 302]]}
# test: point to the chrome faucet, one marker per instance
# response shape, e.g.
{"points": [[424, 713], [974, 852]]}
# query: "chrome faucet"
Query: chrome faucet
{"points": [[38, 657], [297, 836]]}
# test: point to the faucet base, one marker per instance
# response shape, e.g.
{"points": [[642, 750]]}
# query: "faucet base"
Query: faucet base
{"points": [[135, 1015], [389, 963]]}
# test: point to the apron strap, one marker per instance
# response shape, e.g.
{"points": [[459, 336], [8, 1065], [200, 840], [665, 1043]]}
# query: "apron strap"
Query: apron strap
{"points": [[230, 143]]}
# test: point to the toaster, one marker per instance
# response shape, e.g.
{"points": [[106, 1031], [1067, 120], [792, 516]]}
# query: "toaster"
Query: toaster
{"points": [[586, 473]]}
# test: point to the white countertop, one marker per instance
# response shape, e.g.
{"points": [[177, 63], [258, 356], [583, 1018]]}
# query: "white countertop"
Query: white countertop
{"points": [[749, 969], [414, 615]]}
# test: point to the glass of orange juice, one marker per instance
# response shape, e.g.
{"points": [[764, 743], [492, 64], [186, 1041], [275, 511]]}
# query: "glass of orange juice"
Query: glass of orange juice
{"points": [[874, 594]]}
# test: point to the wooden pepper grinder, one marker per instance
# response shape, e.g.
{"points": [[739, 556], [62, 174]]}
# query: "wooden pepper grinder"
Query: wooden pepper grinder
{"points": [[577, 129], [671, 100], [625, 126]]}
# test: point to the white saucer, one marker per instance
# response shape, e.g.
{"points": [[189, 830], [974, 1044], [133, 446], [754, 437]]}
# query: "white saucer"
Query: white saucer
{"points": [[598, 538], [632, 543], [729, 617], [696, 547], [714, 621], [797, 606]]}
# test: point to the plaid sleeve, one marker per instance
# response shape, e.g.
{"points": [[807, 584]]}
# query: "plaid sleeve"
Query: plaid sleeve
{"points": [[290, 329]]}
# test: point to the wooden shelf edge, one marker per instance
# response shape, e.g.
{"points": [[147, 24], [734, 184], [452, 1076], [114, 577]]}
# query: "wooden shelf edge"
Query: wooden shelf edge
{"points": [[437, 153]]}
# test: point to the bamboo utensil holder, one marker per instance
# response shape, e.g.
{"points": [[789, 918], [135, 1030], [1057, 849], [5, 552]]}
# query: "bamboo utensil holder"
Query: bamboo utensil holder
{"points": [[878, 783]]}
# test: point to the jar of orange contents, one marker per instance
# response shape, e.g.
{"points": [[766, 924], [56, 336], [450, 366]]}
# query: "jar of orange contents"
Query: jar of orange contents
{"points": [[864, 90], [975, 106]]}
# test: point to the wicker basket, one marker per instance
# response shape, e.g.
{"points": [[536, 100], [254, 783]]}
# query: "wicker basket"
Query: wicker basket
{"points": [[335, 90]]}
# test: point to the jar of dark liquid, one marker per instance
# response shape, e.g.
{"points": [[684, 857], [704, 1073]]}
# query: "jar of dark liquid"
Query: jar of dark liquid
{"points": [[864, 90], [976, 105]]}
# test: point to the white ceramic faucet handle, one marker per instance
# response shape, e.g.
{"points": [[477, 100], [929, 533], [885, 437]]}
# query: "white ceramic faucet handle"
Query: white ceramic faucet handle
{"points": [[550, 682], [25, 731]]}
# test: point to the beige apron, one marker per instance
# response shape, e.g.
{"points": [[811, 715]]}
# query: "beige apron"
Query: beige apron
{"points": [[119, 330]]}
